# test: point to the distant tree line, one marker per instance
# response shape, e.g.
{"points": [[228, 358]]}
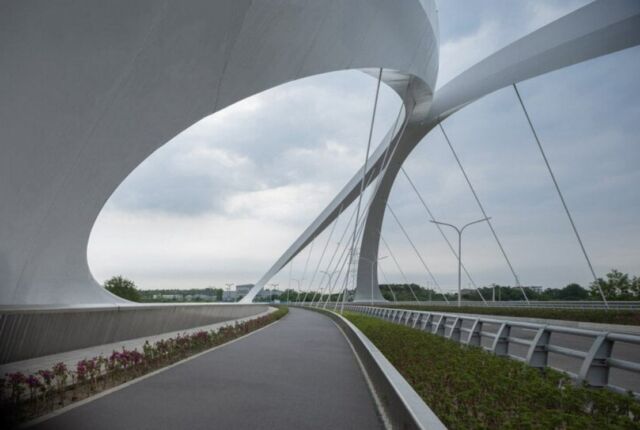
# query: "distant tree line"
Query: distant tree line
{"points": [[126, 288], [615, 285]]}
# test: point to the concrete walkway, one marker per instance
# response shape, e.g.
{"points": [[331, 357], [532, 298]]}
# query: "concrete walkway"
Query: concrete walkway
{"points": [[299, 373]]}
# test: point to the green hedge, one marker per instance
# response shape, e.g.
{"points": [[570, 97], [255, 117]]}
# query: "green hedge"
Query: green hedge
{"points": [[469, 388], [626, 317]]}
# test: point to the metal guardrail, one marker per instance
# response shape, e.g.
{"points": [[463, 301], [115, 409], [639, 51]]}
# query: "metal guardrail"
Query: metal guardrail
{"points": [[557, 304], [401, 405], [596, 362]]}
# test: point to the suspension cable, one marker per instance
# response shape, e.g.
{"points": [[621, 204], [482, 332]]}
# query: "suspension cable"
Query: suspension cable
{"points": [[444, 236], [395, 260], [335, 252], [484, 213], [290, 276], [384, 275], [564, 203], [417, 252], [364, 173], [324, 250], [304, 272]]}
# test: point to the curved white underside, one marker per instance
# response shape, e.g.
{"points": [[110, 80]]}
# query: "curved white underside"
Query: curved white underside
{"points": [[90, 88]]}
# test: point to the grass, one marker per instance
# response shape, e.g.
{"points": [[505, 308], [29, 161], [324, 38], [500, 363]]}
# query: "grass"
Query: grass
{"points": [[624, 317], [468, 388]]}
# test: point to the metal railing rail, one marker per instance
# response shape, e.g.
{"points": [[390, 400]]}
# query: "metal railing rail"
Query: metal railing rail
{"points": [[556, 304], [596, 362]]}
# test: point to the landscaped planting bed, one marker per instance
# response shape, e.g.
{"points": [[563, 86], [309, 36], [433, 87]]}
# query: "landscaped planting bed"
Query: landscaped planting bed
{"points": [[25, 397], [469, 388], [626, 317]]}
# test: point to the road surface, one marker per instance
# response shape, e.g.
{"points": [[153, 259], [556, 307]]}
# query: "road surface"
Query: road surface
{"points": [[299, 373]]}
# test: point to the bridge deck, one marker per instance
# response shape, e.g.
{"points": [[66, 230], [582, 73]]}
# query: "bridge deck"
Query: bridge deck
{"points": [[299, 373]]}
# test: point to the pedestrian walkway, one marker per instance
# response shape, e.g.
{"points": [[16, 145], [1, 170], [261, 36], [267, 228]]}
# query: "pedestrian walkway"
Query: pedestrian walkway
{"points": [[299, 373]]}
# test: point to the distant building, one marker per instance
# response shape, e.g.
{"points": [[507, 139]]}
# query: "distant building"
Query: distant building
{"points": [[229, 296], [535, 288], [177, 297], [243, 290]]}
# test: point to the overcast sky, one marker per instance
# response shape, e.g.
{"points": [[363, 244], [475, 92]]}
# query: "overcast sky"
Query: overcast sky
{"points": [[220, 202]]}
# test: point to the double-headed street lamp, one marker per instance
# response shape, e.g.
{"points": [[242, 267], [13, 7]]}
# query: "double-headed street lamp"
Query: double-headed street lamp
{"points": [[273, 288], [459, 231]]}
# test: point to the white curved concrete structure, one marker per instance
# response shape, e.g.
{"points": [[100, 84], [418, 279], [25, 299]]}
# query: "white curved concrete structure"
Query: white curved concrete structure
{"points": [[90, 88], [600, 28]]}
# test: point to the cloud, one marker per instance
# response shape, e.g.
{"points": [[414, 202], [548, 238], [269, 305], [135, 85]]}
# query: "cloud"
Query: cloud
{"points": [[222, 201]]}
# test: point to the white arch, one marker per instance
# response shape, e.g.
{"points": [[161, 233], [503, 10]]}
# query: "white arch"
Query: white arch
{"points": [[600, 28], [90, 89]]}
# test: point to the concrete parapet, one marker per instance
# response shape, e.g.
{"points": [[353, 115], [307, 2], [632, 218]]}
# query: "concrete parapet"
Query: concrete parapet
{"points": [[34, 332]]}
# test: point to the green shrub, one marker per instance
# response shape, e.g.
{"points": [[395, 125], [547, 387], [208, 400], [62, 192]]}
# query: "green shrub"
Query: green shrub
{"points": [[469, 388]]}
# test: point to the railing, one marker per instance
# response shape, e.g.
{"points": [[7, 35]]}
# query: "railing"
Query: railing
{"points": [[556, 304], [537, 342]]}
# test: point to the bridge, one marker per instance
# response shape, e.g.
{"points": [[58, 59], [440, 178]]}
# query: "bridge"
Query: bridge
{"points": [[90, 90]]}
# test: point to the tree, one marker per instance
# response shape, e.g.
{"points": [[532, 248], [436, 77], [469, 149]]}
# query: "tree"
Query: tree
{"points": [[616, 287], [123, 287], [572, 292]]}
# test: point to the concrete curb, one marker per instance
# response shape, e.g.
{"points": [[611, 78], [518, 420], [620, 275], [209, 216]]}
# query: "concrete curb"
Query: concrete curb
{"points": [[400, 403]]}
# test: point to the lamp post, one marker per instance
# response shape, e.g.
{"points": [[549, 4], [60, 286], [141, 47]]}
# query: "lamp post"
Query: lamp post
{"points": [[372, 263], [273, 288], [459, 231], [229, 285]]}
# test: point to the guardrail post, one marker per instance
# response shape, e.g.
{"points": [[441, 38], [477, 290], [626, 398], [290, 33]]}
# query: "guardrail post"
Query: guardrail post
{"points": [[595, 368], [403, 316], [438, 329], [454, 334], [416, 318], [501, 341], [537, 356], [410, 318], [475, 334], [426, 322]]}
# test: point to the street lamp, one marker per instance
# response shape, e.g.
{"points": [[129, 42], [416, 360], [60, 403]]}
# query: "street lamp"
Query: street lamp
{"points": [[229, 285], [372, 263], [273, 288], [459, 231]]}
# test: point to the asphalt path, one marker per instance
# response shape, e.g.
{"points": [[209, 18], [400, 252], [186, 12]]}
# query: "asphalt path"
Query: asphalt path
{"points": [[299, 373]]}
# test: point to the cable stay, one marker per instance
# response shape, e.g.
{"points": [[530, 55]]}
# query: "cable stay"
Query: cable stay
{"points": [[324, 250], [304, 272], [417, 252], [359, 225], [564, 203], [484, 213], [383, 168], [344, 233], [444, 236], [384, 275], [364, 171], [395, 260]]}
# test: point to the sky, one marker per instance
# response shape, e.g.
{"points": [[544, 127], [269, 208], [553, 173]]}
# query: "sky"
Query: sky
{"points": [[221, 201]]}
